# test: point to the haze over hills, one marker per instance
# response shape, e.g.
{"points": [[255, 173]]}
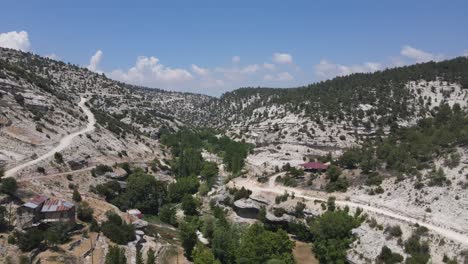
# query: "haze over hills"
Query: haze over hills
{"points": [[362, 125]]}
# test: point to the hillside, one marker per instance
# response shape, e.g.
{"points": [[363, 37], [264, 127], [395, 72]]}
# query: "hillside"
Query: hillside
{"points": [[335, 114], [394, 143], [39, 102]]}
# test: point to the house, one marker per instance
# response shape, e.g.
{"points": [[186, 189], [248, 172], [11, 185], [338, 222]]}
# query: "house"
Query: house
{"points": [[42, 209], [314, 166]]}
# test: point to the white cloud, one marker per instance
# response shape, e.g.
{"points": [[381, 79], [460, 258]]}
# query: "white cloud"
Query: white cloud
{"points": [[94, 61], [282, 58], [281, 77], [52, 56], [148, 71], [269, 66], [419, 55], [326, 69], [15, 40], [465, 53], [199, 70], [250, 69]]}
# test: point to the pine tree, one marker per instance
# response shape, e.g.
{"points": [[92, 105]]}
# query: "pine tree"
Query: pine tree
{"points": [[76, 195], [151, 256]]}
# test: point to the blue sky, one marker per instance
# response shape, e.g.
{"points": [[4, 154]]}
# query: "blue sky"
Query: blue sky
{"points": [[214, 46]]}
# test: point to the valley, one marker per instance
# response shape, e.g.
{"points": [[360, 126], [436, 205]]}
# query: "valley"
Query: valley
{"points": [[168, 175]]}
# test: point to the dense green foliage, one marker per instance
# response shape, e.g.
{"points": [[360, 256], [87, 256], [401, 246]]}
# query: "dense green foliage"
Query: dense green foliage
{"points": [[418, 250], [332, 235], [386, 256], [101, 170], [143, 192], [231, 243], [117, 230], [116, 255], [57, 234], [259, 246], [186, 147], [167, 214], [30, 239], [8, 185], [84, 212]]}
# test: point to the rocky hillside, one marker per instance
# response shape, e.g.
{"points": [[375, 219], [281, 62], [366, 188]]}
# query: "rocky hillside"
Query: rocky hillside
{"points": [[335, 114], [305, 121], [39, 106]]}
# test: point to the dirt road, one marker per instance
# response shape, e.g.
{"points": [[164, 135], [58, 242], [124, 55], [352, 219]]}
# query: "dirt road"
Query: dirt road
{"points": [[272, 187], [64, 142]]}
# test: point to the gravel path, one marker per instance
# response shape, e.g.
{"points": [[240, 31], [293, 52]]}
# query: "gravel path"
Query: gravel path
{"points": [[64, 142], [278, 189]]}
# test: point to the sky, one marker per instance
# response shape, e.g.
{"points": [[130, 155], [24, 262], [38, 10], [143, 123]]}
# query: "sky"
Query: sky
{"points": [[212, 47]]}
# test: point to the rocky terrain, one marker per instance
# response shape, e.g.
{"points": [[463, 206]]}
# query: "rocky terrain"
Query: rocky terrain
{"points": [[50, 107]]}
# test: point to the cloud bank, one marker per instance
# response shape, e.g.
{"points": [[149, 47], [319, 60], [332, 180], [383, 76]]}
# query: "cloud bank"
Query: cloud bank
{"points": [[15, 40]]}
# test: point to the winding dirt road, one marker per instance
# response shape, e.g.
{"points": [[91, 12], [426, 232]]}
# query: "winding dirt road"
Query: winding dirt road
{"points": [[272, 187], [64, 142]]}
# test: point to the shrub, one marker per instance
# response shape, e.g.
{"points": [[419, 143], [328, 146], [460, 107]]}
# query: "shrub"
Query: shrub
{"points": [[85, 212], [386, 256], [101, 170], [167, 214], [58, 157], [117, 230], [394, 231], [9, 185]]}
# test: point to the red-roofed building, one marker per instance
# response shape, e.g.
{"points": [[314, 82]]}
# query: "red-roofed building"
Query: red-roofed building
{"points": [[42, 209], [314, 166]]}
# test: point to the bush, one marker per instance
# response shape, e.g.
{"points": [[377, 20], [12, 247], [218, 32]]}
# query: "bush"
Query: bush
{"points": [[386, 256], [30, 239], [58, 157], [101, 170], [341, 185], [76, 195], [116, 255], [419, 252], [167, 214], [41, 170], [9, 185], [394, 231], [117, 230], [85, 212]]}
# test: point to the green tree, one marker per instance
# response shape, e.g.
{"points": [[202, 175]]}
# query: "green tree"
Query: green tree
{"points": [[143, 192], [167, 214], [189, 205], [386, 256], [332, 235], [209, 172], [58, 157], [350, 158], [57, 234], [76, 195], [203, 255], [151, 256], [116, 255], [188, 237], [333, 173], [3, 215], [9, 185], [30, 239], [85, 212], [117, 230], [139, 256], [258, 245]]}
